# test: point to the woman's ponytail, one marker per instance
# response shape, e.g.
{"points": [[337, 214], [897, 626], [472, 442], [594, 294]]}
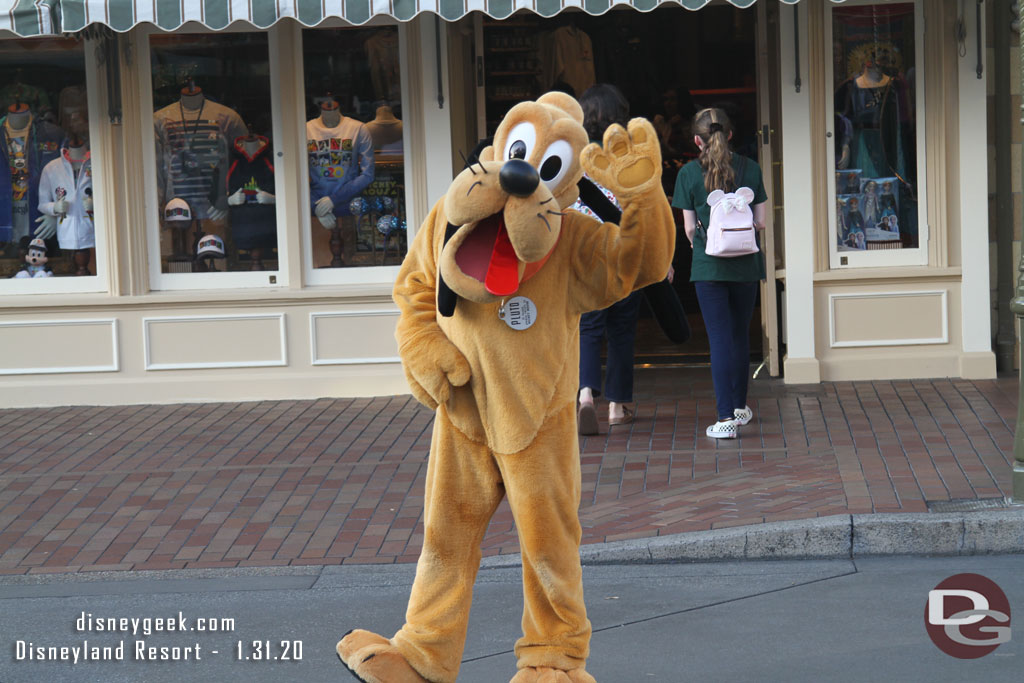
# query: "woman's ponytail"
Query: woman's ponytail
{"points": [[714, 129]]}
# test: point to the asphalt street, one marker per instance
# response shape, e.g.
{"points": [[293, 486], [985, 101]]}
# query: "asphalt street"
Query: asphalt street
{"points": [[824, 620]]}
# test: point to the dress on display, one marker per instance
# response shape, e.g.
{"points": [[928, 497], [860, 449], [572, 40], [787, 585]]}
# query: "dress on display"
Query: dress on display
{"points": [[253, 225], [192, 152], [75, 229], [875, 143]]}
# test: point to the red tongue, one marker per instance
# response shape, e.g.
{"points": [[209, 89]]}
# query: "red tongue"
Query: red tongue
{"points": [[503, 271]]}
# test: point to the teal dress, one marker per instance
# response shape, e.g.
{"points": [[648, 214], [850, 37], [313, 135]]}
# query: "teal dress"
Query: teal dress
{"points": [[690, 195]]}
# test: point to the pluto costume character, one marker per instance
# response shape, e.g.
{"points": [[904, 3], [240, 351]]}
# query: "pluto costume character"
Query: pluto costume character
{"points": [[505, 389]]}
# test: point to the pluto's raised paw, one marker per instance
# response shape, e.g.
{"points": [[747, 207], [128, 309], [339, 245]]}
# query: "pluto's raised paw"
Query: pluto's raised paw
{"points": [[373, 659], [543, 674], [629, 162]]}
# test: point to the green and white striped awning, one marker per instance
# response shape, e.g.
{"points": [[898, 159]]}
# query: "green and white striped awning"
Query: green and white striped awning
{"points": [[122, 15], [28, 17]]}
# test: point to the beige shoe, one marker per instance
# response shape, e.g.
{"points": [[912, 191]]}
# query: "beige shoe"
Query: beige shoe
{"points": [[624, 419]]}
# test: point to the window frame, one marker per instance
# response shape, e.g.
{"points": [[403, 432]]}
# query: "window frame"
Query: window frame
{"points": [[916, 256], [356, 275], [158, 280], [102, 207]]}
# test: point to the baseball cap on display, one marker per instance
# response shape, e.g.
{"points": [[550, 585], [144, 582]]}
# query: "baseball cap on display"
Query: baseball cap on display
{"points": [[177, 210], [211, 245]]}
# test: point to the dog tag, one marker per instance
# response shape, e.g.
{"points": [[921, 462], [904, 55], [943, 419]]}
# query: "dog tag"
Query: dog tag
{"points": [[518, 312]]}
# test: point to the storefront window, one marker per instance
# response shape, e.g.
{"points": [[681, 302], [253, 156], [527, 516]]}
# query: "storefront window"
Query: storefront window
{"points": [[47, 209], [877, 194], [214, 164], [355, 147]]}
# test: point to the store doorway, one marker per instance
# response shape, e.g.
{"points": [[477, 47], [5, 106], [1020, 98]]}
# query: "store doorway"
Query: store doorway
{"points": [[669, 63]]}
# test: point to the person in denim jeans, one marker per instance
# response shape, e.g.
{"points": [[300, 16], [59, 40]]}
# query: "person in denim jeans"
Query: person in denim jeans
{"points": [[726, 287], [604, 104]]}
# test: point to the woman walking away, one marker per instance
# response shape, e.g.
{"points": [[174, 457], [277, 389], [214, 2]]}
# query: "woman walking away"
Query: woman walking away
{"points": [[726, 286], [604, 104]]}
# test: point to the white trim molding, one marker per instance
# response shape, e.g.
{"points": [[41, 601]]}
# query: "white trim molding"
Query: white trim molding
{"points": [[314, 353], [274, 362], [942, 294], [115, 362]]}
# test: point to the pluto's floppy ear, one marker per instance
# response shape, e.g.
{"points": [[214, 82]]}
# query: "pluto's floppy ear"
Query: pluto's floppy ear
{"points": [[482, 152], [446, 298]]}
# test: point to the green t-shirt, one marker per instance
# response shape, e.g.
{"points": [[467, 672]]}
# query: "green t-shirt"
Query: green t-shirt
{"points": [[690, 195]]}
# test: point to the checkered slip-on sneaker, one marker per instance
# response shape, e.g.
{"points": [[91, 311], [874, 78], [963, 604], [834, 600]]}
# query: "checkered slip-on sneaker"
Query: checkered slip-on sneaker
{"points": [[743, 415], [723, 429]]}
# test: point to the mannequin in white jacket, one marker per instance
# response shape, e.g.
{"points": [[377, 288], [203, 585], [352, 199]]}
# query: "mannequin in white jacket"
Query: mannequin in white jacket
{"points": [[65, 193]]}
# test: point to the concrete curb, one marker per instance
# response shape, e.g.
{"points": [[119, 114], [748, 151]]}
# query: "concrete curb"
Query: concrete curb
{"points": [[834, 537]]}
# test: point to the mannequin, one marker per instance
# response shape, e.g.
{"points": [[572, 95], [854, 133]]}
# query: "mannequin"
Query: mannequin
{"points": [[386, 131], [65, 192], [872, 76], [250, 186], [341, 166], [19, 115], [192, 138], [27, 144]]}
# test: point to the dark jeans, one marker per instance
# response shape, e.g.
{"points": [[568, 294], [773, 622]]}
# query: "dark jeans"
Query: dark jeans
{"points": [[727, 308], [619, 321]]}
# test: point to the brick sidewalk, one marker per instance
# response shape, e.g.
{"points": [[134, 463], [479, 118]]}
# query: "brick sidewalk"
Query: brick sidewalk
{"points": [[340, 481]]}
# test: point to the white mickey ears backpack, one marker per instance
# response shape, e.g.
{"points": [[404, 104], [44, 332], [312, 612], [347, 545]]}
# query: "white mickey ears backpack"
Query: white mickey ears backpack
{"points": [[730, 231]]}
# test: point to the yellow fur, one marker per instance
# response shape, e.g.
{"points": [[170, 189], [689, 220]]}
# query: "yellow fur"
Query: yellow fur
{"points": [[505, 399]]}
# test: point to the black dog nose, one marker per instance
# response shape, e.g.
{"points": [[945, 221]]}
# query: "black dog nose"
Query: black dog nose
{"points": [[518, 178]]}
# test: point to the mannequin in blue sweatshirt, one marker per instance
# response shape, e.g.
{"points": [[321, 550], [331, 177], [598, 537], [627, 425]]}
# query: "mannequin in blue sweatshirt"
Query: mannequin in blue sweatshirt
{"points": [[340, 166]]}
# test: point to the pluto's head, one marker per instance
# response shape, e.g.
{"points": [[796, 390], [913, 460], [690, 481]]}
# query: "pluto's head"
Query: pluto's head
{"points": [[505, 211]]}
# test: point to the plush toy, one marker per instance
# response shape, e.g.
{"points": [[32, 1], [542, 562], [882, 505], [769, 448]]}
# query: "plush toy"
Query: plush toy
{"points": [[501, 370], [35, 261]]}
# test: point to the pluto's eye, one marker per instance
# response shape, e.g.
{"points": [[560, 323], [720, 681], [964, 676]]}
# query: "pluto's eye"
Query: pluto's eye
{"points": [[517, 150], [520, 142], [550, 168], [555, 164]]}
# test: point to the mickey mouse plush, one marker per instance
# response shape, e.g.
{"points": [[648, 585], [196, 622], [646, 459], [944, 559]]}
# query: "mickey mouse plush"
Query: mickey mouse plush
{"points": [[501, 371], [35, 261]]}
